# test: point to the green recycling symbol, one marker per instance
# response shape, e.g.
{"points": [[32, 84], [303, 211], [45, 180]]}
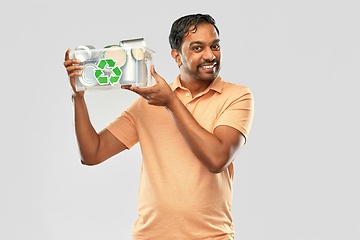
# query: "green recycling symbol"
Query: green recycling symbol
{"points": [[107, 72]]}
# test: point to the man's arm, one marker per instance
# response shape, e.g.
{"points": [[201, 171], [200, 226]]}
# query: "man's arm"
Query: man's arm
{"points": [[215, 150], [94, 148]]}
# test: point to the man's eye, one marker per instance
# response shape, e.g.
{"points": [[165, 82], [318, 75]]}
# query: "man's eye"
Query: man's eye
{"points": [[216, 47], [197, 48]]}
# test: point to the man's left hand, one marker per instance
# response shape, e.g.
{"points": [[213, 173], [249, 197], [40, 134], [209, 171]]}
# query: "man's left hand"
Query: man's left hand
{"points": [[159, 95]]}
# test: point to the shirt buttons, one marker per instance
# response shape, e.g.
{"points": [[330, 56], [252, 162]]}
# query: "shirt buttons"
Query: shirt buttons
{"points": [[187, 94], [188, 104]]}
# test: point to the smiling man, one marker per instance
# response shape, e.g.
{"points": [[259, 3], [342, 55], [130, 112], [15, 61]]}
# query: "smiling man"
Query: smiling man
{"points": [[199, 55], [189, 132]]}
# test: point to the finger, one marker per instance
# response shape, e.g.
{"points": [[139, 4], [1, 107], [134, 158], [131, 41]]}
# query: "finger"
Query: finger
{"points": [[74, 74], [67, 54], [144, 91], [157, 77], [139, 91], [126, 86], [70, 62], [72, 68], [147, 98]]}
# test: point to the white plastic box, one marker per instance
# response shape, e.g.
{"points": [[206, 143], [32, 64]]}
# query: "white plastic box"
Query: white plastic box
{"points": [[113, 66]]}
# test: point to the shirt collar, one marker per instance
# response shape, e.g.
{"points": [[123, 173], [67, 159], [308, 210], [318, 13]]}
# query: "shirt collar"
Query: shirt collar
{"points": [[216, 85]]}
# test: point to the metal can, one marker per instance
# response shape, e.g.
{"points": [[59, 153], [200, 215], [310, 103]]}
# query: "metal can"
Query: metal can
{"points": [[117, 53], [83, 53], [141, 76], [88, 78]]}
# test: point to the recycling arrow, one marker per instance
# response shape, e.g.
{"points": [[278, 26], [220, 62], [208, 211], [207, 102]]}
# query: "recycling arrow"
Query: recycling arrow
{"points": [[107, 72]]}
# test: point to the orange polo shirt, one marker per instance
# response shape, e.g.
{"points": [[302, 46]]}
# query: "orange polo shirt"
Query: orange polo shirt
{"points": [[178, 197]]}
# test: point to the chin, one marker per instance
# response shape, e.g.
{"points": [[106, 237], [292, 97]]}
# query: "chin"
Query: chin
{"points": [[209, 77]]}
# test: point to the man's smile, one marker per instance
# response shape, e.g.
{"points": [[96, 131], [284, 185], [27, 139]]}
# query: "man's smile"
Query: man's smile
{"points": [[208, 65]]}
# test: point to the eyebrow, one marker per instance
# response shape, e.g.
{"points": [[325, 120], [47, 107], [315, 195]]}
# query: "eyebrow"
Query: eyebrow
{"points": [[202, 43]]}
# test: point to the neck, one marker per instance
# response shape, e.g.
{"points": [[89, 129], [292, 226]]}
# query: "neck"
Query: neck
{"points": [[195, 87]]}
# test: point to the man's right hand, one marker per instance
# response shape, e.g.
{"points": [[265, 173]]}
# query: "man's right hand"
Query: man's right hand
{"points": [[71, 67]]}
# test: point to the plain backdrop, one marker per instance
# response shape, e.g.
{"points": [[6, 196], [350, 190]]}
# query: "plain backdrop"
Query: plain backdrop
{"points": [[296, 178]]}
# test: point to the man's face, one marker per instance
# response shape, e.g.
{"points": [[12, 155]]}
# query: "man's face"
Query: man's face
{"points": [[201, 54]]}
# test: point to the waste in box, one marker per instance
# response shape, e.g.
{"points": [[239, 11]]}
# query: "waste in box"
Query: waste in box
{"points": [[113, 66]]}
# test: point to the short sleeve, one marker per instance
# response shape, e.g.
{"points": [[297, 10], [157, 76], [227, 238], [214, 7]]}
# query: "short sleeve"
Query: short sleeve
{"points": [[238, 113], [123, 127]]}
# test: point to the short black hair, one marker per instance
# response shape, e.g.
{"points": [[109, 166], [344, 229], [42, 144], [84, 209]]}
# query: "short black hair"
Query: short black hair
{"points": [[181, 28]]}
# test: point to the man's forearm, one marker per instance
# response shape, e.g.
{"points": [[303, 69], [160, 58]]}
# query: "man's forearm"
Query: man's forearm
{"points": [[87, 137], [207, 147]]}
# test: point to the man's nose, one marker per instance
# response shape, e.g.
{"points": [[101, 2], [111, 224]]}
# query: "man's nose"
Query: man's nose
{"points": [[209, 54]]}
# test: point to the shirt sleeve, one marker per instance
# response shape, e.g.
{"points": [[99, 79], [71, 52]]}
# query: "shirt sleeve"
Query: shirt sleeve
{"points": [[238, 113], [124, 127]]}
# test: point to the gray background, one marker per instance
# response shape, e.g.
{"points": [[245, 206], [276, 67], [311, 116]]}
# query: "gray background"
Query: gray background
{"points": [[298, 176]]}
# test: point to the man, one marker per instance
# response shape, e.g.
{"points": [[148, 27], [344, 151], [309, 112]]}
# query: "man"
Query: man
{"points": [[189, 133]]}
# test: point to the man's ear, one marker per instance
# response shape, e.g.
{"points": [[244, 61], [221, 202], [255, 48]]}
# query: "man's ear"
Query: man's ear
{"points": [[176, 55]]}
